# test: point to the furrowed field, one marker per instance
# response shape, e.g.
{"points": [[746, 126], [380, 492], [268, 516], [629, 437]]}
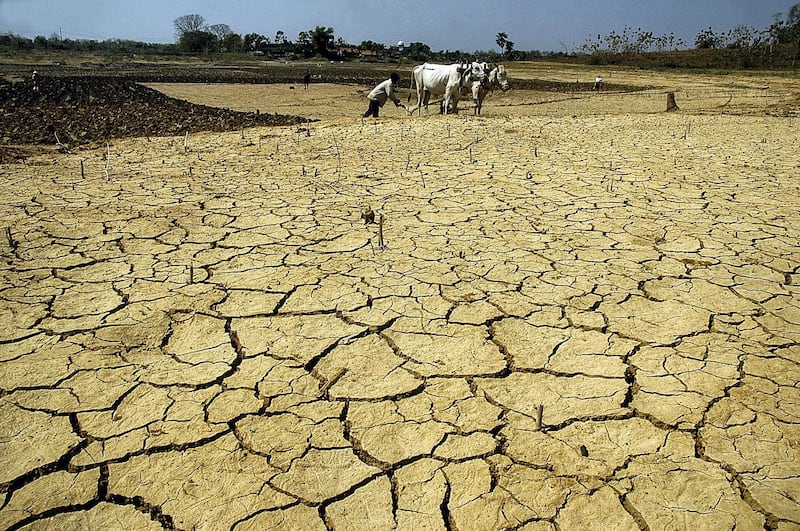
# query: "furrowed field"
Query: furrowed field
{"points": [[574, 311]]}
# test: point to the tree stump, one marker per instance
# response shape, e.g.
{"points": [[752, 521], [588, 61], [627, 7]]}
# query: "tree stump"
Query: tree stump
{"points": [[671, 105]]}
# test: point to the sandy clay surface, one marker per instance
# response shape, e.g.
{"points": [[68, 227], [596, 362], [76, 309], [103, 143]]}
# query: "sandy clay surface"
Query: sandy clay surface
{"points": [[573, 312]]}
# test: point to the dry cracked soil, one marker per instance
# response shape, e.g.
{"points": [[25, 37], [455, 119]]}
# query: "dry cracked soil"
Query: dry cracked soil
{"points": [[576, 311]]}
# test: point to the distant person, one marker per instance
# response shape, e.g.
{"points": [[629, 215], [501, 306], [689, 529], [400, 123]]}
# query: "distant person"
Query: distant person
{"points": [[598, 83], [384, 91], [35, 81], [306, 80]]}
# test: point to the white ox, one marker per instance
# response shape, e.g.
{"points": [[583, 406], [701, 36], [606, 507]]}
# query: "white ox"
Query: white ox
{"points": [[440, 80], [493, 78]]}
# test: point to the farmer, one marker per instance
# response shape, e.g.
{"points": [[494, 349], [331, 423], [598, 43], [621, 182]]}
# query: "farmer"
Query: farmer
{"points": [[306, 80], [598, 83], [384, 91]]}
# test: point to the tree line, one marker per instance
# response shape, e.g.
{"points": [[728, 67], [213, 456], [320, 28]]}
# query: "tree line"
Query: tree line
{"points": [[781, 31], [744, 46], [775, 46], [195, 36]]}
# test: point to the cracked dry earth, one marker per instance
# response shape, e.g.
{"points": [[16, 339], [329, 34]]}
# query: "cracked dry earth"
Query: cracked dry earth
{"points": [[573, 322]]}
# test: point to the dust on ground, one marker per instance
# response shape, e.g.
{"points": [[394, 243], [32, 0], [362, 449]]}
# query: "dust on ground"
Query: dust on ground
{"points": [[576, 307]]}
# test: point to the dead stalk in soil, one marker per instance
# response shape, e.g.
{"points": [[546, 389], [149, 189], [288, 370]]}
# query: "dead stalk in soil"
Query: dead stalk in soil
{"points": [[380, 233], [332, 380], [108, 161], [10, 238], [60, 145], [338, 156]]}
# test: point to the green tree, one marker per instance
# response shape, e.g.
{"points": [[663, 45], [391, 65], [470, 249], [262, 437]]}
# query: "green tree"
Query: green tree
{"points": [[255, 42], [40, 41], [233, 43], [742, 36], [787, 31], [418, 51], [371, 45], [304, 43], [707, 39], [198, 42], [509, 48], [321, 40], [792, 29]]}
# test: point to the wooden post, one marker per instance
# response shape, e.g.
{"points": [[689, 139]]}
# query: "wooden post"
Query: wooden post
{"points": [[671, 105], [380, 232], [539, 411]]}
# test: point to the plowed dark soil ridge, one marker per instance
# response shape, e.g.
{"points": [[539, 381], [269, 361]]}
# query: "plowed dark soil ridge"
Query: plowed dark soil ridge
{"points": [[82, 110]]}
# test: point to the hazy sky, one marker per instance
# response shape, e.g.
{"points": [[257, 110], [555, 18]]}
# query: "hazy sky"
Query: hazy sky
{"points": [[467, 25]]}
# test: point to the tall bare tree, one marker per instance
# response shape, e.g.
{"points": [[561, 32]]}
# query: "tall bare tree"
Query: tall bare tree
{"points": [[188, 24], [220, 30]]}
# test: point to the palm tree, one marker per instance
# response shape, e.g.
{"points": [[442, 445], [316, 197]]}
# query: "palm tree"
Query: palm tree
{"points": [[501, 40]]}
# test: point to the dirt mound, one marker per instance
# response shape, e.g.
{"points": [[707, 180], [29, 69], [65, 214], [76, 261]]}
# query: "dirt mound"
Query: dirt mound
{"points": [[83, 110], [257, 73], [542, 85]]}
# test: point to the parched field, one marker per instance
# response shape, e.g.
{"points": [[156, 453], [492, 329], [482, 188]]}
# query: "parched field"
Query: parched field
{"points": [[576, 311]]}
